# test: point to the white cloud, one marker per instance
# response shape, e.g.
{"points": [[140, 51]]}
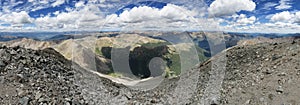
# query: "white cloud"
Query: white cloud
{"points": [[297, 18], [269, 5], [278, 27], [283, 4], [144, 13], [56, 12], [284, 22], [16, 18], [79, 4], [88, 16], [46, 22], [243, 20], [282, 16], [58, 3], [286, 17], [230, 7], [170, 16]]}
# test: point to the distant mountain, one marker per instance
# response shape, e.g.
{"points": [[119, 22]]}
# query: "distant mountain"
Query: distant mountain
{"points": [[42, 35], [267, 35], [28, 43], [9, 38], [65, 37], [204, 39]]}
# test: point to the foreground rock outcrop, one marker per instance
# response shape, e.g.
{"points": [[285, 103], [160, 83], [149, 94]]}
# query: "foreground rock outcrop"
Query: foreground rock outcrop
{"points": [[36, 77]]}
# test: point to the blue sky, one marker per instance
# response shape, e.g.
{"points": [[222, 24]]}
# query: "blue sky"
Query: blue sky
{"points": [[266, 16]]}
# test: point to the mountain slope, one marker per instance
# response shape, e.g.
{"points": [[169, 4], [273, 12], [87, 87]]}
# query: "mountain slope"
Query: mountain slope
{"points": [[36, 77], [265, 73]]}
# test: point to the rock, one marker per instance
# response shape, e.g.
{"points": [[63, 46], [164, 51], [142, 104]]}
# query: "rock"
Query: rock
{"points": [[247, 102], [282, 74], [38, 95], [20, 75], [2, 80], [67, 103], [2, 64], [13, 52], [214, 101], [128, 95], [43, 100], [279, 89], [24, 101], [20, 92], [67, 99]]}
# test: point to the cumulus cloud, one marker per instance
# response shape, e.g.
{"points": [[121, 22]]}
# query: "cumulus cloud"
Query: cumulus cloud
{"points": [[287, 17], [87, 16], [283, 4], [229, 7], [145, 17], [297, 18], [16, 18], [243, 20], [145, 13]]}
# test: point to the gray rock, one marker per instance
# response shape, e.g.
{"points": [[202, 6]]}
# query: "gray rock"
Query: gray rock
{"points": [[2, 80], [279, 89], [2, 64], [38, 95], [13, 52], [67, 103], [24, 101], [282, 74]]}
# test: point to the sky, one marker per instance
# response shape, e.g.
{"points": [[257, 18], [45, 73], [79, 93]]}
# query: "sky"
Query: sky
{"points": [[259, 16]]}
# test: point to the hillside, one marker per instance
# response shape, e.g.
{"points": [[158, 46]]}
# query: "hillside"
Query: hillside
{"points": [[36, 77], [264, 73], [92, 52], [28, 43]]}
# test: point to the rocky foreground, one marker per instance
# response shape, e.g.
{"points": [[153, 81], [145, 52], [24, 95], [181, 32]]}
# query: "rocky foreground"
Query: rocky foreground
{"points": [[265, 73], [36, 77]]}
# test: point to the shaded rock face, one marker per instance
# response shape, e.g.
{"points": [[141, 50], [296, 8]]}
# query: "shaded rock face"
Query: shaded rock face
{"points": [[106, 51], [140, 58], [36, 77]]}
